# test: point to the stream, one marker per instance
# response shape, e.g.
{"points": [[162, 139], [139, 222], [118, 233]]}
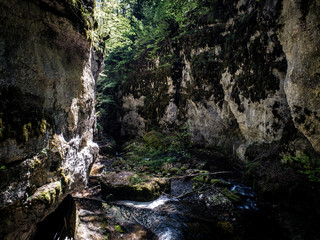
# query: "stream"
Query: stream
{"points": [[172, 218], [198, 206], [165, 216], [180, 215]]}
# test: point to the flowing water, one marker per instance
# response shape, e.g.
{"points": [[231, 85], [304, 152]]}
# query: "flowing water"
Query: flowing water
{"points": [[166, 217], [182, 215], [171, 218]]}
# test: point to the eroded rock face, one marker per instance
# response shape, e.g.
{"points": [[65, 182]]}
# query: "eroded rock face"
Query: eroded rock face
{"points": [[300, 38], [238, 80], [46, 109]]}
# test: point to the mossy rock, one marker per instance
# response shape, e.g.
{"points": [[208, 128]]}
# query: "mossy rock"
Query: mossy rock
{"points": [[130, 186], [174, 170], [231, 195], [154, 139], [201, 178], [47, 194], [219, 182]]}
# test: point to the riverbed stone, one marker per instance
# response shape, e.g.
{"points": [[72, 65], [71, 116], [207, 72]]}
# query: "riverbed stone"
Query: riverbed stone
{"points": [[130, 186]]}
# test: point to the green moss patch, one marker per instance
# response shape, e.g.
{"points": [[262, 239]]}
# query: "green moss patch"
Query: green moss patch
{"points": [[46, 194], [128, 185]]}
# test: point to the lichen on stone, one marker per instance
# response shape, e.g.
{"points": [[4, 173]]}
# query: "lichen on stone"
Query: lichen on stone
{"points": [[56, 146], [47, 194], [43, 126], [65, 178], [26, 129]]}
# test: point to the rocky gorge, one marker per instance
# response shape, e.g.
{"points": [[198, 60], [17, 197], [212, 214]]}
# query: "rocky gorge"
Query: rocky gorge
{"points": [[240, 78], [247, 75], [218, 117]]}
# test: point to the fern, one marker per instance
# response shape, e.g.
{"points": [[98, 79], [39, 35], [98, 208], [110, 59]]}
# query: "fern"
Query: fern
{"points": [[307, 165]]}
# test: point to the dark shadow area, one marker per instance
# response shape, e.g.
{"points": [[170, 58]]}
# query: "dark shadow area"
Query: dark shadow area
{"points": [[59, 224]]}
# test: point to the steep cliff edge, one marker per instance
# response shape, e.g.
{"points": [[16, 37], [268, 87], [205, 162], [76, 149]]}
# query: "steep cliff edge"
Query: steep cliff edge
{"points": [[244, 72], [47, 112]]}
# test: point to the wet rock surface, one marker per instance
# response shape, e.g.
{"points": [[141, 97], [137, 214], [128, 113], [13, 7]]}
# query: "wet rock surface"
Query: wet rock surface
{"points": [[129, 186], [94, 220]]}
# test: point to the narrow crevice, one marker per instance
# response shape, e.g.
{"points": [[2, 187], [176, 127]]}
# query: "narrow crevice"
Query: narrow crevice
{"points": [[60, 224]]}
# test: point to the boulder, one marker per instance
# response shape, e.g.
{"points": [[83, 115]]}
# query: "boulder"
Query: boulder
{"points": [[130, 186]]}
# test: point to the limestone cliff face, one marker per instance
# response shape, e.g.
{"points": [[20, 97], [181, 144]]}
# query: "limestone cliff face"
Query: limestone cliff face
{"points": [[46, 108], [300, 37], [240, 80]]}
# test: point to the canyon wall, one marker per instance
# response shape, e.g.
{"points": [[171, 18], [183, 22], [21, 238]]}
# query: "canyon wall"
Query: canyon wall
{"points": [[47, 111], [249, 76]]}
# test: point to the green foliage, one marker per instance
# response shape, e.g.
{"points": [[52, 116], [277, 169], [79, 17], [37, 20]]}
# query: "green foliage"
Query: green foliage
{"points": [[307, 165], [44, 151], [136, 26], [135, 179], [3, 167], [181, 139], [107, 236], [158, 149], [115, 22], [231, 195], [163, 21], [136, 33], [118, 229]]}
